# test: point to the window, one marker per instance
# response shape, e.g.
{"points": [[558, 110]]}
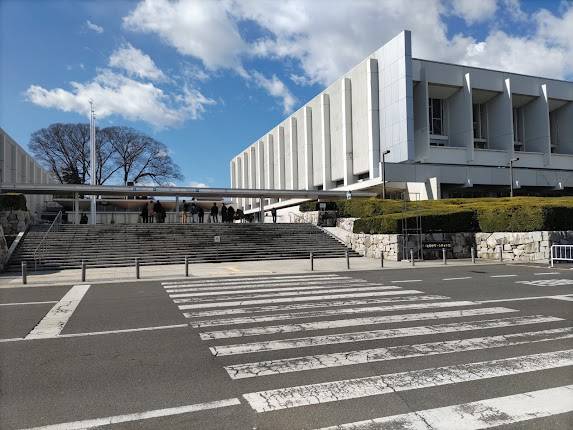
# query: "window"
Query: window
{"points": [[436, 112], [554, 132], [480, 121]]}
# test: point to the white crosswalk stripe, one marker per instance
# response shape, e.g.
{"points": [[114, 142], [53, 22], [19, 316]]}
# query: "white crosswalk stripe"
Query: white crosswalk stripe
{"points": [[482, 414], [304, 395], [250, 310], [547, 282]]}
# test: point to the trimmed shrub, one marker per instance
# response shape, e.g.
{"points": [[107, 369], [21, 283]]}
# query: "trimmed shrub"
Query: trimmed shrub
{"points": [[13, 201], [525, 218], [450, 222]]}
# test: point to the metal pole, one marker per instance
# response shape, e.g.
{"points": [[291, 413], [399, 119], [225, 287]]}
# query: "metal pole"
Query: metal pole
{"points": [[186, 266], [24, 273], [261, 210], [76, 208], [93, 161], [551, 256], [381, 258], [473, 253], [311, 262], [412, 256], [501, 253], [511, 178], [444, 256], [347, 259], [177, 220], [83, 271], [136, 267]]}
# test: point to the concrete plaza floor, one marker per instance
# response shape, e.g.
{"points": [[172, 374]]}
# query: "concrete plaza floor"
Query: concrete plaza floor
{"points": [[241, 268]]}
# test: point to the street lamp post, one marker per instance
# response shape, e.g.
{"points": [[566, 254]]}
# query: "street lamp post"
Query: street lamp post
{"points": [[511, 161], [93, 161], [383, 172]]}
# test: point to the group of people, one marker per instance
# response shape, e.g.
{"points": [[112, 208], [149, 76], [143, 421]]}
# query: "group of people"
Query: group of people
{"points": [[195, 213], [153, 212]]}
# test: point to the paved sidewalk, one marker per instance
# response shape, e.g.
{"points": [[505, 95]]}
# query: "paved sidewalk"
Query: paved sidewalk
{"points": [[242, 268]]}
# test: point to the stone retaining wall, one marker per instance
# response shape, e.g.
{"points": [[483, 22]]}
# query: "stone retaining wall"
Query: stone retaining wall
{"points": [[523, 247], [13, 222]]}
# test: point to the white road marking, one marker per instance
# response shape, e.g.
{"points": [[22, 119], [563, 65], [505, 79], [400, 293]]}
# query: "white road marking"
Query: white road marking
{"points": [[295, 299], [315, 314], [284, 284], [323, 361], [253, 280], [54, 321], [546, 273], [326, 304], [502, 276], [29, 303], [517, 299], [477, 415], [455, 279], [98, 333], [351, 322], [364, 336], [408, 280], [157, 413], [565, 298], [283, 398], [319, 286], [191, 296], [547, 282]]}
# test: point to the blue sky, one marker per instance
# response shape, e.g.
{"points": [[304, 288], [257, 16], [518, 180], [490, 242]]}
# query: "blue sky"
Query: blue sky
{"points": [[207, 78]]}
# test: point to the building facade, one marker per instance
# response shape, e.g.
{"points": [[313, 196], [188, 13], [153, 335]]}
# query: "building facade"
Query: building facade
{"points": [[442, 129], [18, 167]]}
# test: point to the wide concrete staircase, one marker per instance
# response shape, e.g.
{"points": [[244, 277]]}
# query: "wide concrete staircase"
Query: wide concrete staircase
{"points": [[119, 244]]}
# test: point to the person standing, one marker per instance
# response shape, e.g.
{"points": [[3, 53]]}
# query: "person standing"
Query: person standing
{"points": [[223, 213], [214, 213], [150, 213], [144, 216], [184, 212], [274, 214], [193, 212], [230, 214], [201, 213]]}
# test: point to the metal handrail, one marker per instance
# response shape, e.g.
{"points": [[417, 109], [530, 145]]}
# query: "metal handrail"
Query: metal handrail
{"points": [[55, 226]]}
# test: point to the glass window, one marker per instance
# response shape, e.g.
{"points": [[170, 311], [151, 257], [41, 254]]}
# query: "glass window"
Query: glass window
{"points": [[436, 116]]}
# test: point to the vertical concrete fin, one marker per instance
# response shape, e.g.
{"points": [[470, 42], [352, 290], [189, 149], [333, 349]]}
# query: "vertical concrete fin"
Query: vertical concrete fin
{"points": [[308, 148], [293, 153], [347, 150], [325, 147], [373, 118], [270, 171], [281, 159]]}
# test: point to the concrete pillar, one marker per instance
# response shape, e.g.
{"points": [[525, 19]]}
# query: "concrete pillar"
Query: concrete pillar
{"points": [[373, 118], [293, 153], [252, 173], [536, 123], [281, 159], [260, 164], [347, 151], [500, 120], [421, 121], [460, 111], [325, 147], [270, 167], [307, 148], [245, 176]]}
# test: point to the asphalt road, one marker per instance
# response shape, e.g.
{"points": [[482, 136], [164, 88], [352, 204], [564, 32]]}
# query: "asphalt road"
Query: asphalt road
{"points": [[471, 347]]}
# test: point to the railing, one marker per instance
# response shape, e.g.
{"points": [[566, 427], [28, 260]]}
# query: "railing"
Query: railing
{"points": [[42, 246], [298, 218], [561, 253]]}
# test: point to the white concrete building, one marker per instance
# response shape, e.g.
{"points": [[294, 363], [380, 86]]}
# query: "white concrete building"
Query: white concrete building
{"points": [[451, 131], [18, 167]]}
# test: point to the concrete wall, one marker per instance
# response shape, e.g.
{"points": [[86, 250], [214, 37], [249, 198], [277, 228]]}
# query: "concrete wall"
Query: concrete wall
{"points": [[523, 247]]}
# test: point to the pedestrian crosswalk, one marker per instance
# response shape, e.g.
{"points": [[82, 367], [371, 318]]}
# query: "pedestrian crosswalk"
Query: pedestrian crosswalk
{"points": [[547, 282], [296, 342]]}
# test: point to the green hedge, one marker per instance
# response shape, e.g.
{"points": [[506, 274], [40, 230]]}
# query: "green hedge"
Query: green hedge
{"points": [[451, 222], [525, 218], [11, 201]]}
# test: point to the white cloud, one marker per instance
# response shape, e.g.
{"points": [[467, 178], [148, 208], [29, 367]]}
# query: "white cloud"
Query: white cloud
{"points": [[195, 102], [474, 11], [513, 7], [276, 88], [136, 63], [94, 27], [195, 184], [115, 94], [202, 29]]}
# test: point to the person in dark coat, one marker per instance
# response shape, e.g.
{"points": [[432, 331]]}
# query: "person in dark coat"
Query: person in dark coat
{"points": [[144, 215], [201, 214], [274, 214], [214, 213], [230, 214], [84, 219], [223, 213], [159, 211]]}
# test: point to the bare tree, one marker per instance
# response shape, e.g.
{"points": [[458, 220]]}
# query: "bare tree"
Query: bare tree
{"points": [[123, 155]]}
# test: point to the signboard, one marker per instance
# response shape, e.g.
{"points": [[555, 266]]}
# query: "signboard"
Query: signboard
{"points": [[217, 239], [437, 245]]}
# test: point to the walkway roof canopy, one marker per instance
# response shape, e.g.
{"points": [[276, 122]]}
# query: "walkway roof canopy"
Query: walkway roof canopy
{"points": [[113, 190]]}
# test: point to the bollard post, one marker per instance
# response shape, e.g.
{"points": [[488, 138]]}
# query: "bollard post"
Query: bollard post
{"points": [[501, 253], [83, 271], [347, 260], [136, 267], [381, 258], [473, 253], [444, 257], [412, 256], [311, 262], [186, 266], [24, 273]]}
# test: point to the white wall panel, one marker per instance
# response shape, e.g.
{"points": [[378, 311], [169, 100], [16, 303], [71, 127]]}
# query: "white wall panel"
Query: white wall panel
{"points": [[336, 120]]}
